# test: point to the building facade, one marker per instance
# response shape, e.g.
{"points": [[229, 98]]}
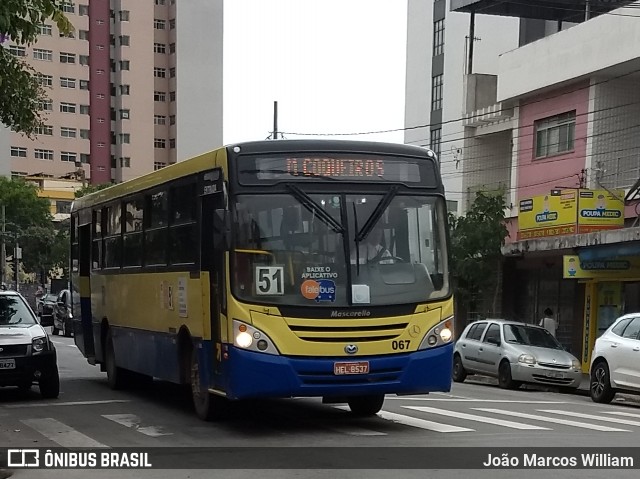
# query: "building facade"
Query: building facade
{"points": [[131, 79]]}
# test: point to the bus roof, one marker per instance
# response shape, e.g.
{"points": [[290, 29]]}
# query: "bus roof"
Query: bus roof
{"points": [[208, 160]]}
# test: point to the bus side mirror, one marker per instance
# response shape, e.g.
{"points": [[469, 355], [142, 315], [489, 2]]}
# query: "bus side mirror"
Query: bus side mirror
{"points": [[221, 229]]}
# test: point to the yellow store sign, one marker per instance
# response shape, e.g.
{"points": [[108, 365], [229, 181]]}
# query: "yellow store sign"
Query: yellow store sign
{"points": [[619, 268]]}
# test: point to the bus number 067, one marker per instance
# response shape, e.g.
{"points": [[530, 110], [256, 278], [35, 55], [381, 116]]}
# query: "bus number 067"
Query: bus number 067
{"points": [[402, 344]]}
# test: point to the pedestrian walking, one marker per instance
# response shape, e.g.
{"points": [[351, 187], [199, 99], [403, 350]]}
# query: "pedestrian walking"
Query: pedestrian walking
{"points": [[548, 322]]}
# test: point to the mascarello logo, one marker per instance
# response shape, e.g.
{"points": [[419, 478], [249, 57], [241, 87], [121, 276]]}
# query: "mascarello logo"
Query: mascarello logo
{"points": [[600, 211], [320, 290]]}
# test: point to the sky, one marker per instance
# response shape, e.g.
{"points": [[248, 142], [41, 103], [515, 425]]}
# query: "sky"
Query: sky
{"points": [[333, 66]]}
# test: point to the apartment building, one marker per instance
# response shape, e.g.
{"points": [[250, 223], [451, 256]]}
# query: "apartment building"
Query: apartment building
{"points": [[135, 87]]}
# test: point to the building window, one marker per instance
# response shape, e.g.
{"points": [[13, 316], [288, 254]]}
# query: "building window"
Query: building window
{"points": [[438, 37], [45, 105], [159, 96], [44, 80], [83, 34], [83, 9], [66, 82], [172, 24], [83, 60], [18, 152], [172, 96], [436, 93], [452, 206], [159, 120], [436, 139], [41, 54], [68, 156], [84, 134], [172, 119], [124, 138], [99, 22], [124, 89], [66, 132], [159, 72], [100, 96], [172, 72], [68, 7], [18, 51], [67, 57], [124, 15], [157, 165], [100, 71], [84, 84], [125, 162], [44, 130], [124, 64], [100, 47], [101, 121], [172, 47], [158, 24], [159, 143], [67, 35], [555, 134], [85, 158], [67, 107], [84, 109], [43, 154], [124, 114], [159, 48], [124, 40], [101, 144], [160, 2], [63, 206], [44, 29], [172, 143]]}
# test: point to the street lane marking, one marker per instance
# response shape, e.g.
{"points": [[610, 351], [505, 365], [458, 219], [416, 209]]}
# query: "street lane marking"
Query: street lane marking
{"points": [[69, 403], [415, 422], [619, 413], [515, 401], [554, 420], [60, 433], [473, 417], [354, 431], [628, 422], [133, 421]]}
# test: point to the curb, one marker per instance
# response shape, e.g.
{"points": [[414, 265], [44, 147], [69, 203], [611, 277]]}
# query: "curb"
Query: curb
{"points": [[4, 473]]}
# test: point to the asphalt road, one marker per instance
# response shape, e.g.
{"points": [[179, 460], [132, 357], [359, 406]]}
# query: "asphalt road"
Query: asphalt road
{"points": [[473, 414]]}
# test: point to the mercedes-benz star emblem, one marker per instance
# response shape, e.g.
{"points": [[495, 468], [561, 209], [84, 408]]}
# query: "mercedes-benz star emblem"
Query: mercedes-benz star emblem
{"points": [[351, 349]]}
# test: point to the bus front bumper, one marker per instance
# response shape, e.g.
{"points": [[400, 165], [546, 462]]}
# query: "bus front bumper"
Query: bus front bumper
{"points": [[252, 374]]}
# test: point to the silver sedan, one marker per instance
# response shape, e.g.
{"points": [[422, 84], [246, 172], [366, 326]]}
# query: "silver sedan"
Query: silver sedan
{"points": [[514, 353]]}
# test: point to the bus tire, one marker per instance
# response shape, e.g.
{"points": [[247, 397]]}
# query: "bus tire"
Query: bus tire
{"points": [[115, 375], [207, 406], [366, 405]]}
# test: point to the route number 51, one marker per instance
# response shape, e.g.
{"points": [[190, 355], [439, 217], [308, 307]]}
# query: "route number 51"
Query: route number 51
{"points": [[269, 280]]}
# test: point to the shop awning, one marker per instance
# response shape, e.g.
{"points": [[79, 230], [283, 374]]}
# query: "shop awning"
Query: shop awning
{"points": [[608, 251]]}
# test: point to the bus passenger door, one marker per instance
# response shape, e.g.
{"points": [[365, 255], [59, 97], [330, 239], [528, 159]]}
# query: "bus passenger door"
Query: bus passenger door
{"points": [[81, 290]]}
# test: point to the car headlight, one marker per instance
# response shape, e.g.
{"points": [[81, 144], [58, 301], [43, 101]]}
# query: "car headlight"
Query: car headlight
{"points": [[527, 359], [39, 344], [248, 337], [576, 364], [440, 334]]}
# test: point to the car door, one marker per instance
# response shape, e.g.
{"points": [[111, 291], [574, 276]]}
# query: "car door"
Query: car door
{"points": [[490, 350], [627, 364], [471, 345]]}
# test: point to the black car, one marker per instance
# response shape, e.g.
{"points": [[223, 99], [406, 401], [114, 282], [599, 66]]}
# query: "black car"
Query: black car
{"points": [[26, 352], [63, 314], [45, 308]]}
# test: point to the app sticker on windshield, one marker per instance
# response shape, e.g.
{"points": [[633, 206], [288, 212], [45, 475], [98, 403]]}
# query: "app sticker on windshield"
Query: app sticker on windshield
{"points": [[320, 290]]}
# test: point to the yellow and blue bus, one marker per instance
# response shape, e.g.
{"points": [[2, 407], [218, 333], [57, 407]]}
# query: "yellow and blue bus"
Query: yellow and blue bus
{"points": [[242, 273]]}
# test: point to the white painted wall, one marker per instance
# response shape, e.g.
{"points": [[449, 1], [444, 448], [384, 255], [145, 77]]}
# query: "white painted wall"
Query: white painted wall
{"points": [[5, 151]]}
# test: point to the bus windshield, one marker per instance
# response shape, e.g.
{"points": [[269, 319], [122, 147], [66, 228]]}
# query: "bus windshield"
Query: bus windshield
{"points": [[338, 249]]}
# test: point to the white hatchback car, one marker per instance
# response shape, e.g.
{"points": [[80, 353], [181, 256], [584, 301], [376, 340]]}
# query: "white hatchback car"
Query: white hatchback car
{"points": [[615, 361]]}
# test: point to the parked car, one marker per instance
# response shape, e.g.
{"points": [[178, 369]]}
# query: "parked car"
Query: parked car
{"points": [[26, 352], [63, 314], [45, 307], [615, 360], [515, 353]]}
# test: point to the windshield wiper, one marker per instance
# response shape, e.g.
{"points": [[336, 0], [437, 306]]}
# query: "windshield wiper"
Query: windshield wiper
{"points": [[375, 215], [315, 208]]}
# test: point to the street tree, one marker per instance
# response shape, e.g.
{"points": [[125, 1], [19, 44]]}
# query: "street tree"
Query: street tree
{"points": [[22, 93], [88, 189], [476, 258]]}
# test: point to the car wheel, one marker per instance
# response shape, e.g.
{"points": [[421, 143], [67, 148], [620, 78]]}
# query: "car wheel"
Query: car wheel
{"points": [[366, 405], [207, 406], [116, 377], [50, 384], [459, 372], [54, 331], [600, 387], [505, 381]]}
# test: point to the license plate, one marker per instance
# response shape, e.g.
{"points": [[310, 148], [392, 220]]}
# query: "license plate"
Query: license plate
{"points": [[7, 363], [351, 368], [555, 374]]}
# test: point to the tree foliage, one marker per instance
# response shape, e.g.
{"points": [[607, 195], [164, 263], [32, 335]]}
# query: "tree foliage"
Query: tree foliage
{"points": [[88, 189], [476, 241], [21, 90]]}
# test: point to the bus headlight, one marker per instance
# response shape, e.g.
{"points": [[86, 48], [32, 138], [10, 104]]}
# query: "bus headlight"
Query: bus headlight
{"points": [[251, 338], [440, 334]]}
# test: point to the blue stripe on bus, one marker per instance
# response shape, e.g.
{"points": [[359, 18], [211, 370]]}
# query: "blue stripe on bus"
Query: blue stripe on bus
{"points": [[254, 374]]}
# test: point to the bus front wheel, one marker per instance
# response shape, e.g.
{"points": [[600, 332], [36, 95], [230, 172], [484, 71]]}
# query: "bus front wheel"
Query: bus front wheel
{"points": [[366, 405], [208, 407]]}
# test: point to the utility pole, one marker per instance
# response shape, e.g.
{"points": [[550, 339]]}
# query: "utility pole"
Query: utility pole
{"points": [[472, 39], [275, 120], [17, 256], [3, 253]]}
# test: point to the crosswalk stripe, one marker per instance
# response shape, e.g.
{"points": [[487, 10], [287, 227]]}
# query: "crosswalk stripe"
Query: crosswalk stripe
{"points": [[415, 422], [61, 403], [620, 413], [628, 422], [60, 433], [566, 422], [133, 421], [473, 417], [446, 399], [354, 431]]}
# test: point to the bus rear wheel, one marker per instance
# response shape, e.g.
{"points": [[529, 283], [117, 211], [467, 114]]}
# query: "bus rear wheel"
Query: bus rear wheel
{"points": [[366, 405], [208, 407]]}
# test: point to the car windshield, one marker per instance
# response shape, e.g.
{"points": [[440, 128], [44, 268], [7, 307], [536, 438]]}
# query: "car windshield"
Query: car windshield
{"points": [[530, 336], [50, 298], [14, 312], [337, 249]]}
